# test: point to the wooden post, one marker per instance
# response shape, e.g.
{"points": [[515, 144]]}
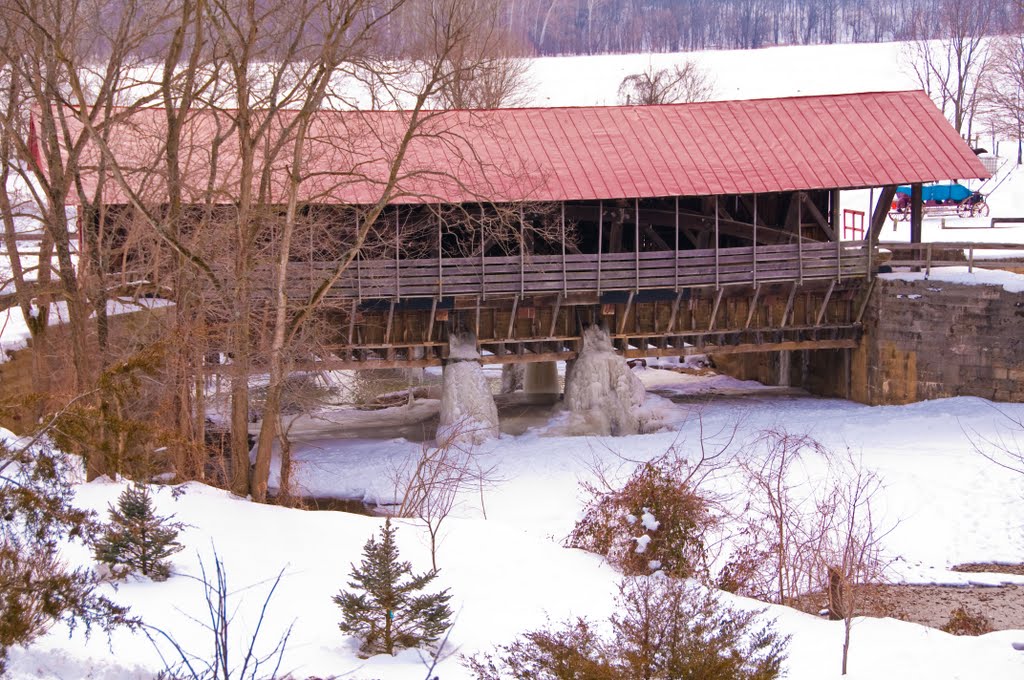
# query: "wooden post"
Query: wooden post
{"points": [[754, 251], [398, 268], [565, 278], [600, 242], [522, 252], [359, 253], [483, 259], [676, 258], [882, 208], [636, 245], [836, 213], [753, 306], [824, 303], [440, 257], [800, 241], [916, 212], [716, 244], [714, 309]]}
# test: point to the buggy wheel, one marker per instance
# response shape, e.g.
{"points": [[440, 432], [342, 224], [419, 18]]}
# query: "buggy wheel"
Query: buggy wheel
{"points": [[964, 208], [980, 209]]}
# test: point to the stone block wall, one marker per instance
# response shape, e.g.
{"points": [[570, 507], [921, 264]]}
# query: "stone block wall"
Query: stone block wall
{"points": [[932, 339], [922, 340]]}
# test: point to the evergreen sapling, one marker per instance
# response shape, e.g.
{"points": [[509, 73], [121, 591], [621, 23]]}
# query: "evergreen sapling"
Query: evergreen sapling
{"points": [[386, 611], [137, 539]]}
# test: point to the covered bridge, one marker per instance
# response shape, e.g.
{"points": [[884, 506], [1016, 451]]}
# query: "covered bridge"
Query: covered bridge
{"points": [[683, 228]]}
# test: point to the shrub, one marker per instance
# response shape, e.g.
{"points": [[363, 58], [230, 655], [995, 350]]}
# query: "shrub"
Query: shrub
{"points": [[657, 520], [388, 614], [137, 539], [666, 630], [965, 622]]}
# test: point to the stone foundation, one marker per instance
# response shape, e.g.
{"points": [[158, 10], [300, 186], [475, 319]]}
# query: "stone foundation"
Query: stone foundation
{"points": [[922, 340]]}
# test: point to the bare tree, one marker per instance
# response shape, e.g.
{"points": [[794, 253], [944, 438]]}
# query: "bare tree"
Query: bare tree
{"points": [[952, 69], [487, 70], [853, 556], [1003, 92], [686, 82]]}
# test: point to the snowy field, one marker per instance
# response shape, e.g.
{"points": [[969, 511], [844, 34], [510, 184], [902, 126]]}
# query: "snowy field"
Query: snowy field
{"points": [[502, 553], [508, 572]]}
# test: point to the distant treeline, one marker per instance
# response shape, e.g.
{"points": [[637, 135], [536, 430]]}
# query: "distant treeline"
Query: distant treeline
{"points": [[599, 26], [556, 27]]}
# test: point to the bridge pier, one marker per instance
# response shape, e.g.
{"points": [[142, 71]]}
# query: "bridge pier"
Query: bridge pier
{"points": [[512, 377], [542, 379], [468, 413], [602, 387]]}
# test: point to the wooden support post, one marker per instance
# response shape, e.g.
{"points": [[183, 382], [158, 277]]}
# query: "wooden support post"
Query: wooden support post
{"points": [[476, 328], [717, 284], [714, 309], [483, 260], [675, 312], [565, 276], [675, 260], [554, 316], [970, 259], [359, 272], [636, 245], [818, 217], [800, 239], [359, 276], [928, 260], [864, 304], [522, 252], [625, 314], [839, 260], [824, 302], [916, 212], [835, 213], [512, 319], [753, 257], [789, 306], [391, 321], [433, 313], [881, 213], [600, 242], [440, 257], [753, 306], [352, 323], [398, 265]]}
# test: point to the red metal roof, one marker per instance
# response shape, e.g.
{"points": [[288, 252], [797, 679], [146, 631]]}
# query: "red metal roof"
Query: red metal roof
{"points": [[532, 154]]}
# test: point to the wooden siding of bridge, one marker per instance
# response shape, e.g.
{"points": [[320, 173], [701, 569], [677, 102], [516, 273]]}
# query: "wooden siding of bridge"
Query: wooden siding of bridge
{"points": [[587, 273]]}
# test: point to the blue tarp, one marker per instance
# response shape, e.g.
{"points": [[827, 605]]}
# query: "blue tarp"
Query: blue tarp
{"points": [[940, 192]]}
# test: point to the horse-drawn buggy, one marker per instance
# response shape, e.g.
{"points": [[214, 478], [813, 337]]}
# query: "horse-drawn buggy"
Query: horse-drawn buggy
{"points": [[940, 200]]}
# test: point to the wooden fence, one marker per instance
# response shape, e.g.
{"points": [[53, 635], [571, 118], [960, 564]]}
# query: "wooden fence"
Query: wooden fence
{"points": [[532, 274]]}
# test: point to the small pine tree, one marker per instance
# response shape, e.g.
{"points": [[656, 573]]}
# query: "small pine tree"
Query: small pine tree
{"points": [[137, 539], [387, 614]]}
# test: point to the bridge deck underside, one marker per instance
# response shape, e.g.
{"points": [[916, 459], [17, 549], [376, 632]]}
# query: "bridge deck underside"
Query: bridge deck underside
{"points": [[735, 317]]}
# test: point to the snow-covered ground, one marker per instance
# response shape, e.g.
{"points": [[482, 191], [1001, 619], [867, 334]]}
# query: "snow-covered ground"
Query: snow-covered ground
{"points": [[508, 572], [501, 553]]}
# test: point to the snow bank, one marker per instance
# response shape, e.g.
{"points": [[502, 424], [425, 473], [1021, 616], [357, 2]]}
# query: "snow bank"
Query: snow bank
{"points": [[602, 388], [468, 412]]}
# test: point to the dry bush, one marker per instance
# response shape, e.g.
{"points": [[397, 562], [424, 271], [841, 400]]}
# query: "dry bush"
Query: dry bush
{"points": [[963, 621], [659, 519], [784, 522], [666, 629], [429, 486]]}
